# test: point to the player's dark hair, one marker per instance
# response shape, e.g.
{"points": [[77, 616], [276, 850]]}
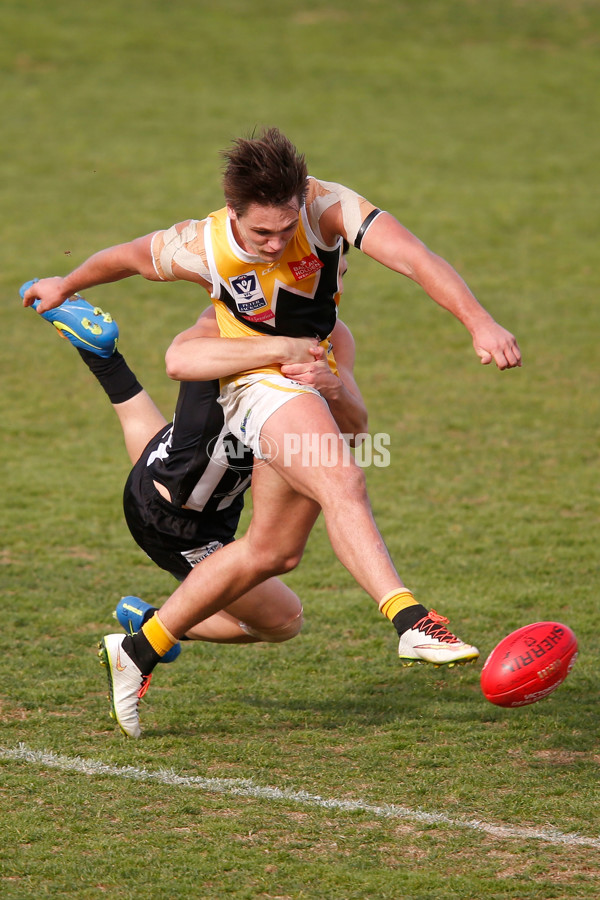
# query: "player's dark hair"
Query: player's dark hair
{"points": [[267, 169]]}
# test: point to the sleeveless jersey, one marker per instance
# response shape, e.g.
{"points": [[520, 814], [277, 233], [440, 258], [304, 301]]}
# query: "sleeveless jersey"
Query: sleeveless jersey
{"points": [[297, 296]]}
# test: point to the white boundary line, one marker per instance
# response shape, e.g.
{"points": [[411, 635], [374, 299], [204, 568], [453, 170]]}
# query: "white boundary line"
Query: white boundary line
{"points": [[242, 787]]}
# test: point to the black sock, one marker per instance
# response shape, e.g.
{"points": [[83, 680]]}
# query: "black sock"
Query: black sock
{"points": [[141, 651], [115, 376], [408, 617], [148, 614]]}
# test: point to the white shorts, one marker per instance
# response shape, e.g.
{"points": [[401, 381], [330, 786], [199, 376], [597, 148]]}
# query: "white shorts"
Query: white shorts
{"points": [[249, 401]]}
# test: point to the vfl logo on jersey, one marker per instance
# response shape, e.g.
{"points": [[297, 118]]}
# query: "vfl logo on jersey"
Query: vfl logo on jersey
{"points": [[249, 298], [303, 268]]}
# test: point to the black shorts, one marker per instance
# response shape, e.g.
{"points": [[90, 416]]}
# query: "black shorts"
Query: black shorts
{"points": [[174, 538]]}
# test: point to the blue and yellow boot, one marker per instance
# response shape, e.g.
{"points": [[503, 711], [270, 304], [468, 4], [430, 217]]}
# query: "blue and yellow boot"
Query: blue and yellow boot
{"points": [[84, 325]]}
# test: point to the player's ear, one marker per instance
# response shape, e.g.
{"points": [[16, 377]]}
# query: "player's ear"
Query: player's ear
{"points": [[231, 212]]}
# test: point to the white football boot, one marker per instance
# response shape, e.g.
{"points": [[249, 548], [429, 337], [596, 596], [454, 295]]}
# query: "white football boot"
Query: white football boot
{"points": [[126, 684], [429, 641]]}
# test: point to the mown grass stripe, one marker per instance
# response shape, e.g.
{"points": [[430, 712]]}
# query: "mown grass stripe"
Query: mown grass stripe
{"points": [[242, 787]]}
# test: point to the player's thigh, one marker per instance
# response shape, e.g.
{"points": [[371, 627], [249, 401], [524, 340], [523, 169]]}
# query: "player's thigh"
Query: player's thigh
{"points": [[313, 458], [282, 518]]}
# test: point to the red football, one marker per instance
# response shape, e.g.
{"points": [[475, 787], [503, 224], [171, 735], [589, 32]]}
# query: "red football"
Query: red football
{"points": [[529, 664]]}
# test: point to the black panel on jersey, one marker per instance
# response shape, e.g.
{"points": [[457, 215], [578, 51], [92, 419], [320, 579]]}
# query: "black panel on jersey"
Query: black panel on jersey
{"points": [[301, 315], [181, 453], [178, 457]]}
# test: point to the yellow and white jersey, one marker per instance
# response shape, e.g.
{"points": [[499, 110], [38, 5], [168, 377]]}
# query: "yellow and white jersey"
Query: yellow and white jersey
{"points": [[296, 296]]}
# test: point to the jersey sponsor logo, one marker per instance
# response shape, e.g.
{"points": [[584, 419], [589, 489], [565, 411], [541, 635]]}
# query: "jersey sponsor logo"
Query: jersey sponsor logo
{"points": [[303, 268], [249, 298], [261, 317]]}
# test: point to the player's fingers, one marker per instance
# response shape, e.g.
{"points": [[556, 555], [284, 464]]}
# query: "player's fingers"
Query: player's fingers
{"points": [[290, 369], [513, 356], [511, 360], [29, 296], [508, 358]]}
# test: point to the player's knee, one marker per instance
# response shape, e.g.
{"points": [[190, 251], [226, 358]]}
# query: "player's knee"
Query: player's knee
{"points": [[347, 482], [277, 633], [355, 482], [276, 561], [288, 561]]}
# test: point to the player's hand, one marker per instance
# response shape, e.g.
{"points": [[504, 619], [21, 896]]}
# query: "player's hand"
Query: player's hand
{"points": [[298, 351], [49, 291], [493, 343], [316, 373]]}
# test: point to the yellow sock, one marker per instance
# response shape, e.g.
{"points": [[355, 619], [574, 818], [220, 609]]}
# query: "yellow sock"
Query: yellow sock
{"points": [[160, 638], [395, 602]]}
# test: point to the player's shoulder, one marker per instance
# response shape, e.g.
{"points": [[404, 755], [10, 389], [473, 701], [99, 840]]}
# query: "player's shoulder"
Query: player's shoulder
{"points": [[182, 245], [320, 187], [323, 205], [334, 208], [187, 228]]}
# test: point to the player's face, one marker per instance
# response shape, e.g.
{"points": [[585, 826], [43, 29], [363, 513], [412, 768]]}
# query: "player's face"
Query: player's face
{"points": [[265, 231]]}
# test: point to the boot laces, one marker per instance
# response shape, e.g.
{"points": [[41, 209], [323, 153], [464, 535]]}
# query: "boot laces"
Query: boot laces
{"points": [[144, 685], [435, 626]]}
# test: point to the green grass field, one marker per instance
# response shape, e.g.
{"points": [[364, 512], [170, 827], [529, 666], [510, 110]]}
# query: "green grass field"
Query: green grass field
{"points": [[317, 769]]}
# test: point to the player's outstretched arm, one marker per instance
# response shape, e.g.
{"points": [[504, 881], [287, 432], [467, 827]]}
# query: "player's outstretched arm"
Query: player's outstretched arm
{"points": [[104, 267], [391, 244]]}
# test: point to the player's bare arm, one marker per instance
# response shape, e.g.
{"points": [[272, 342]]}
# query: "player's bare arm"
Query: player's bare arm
{"points": [[390, 243], [103, 267], [393, 245], [199, 354]]}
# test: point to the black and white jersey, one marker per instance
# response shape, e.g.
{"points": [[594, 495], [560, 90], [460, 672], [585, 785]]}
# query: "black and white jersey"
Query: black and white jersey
{"points": [[203, 467]]}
